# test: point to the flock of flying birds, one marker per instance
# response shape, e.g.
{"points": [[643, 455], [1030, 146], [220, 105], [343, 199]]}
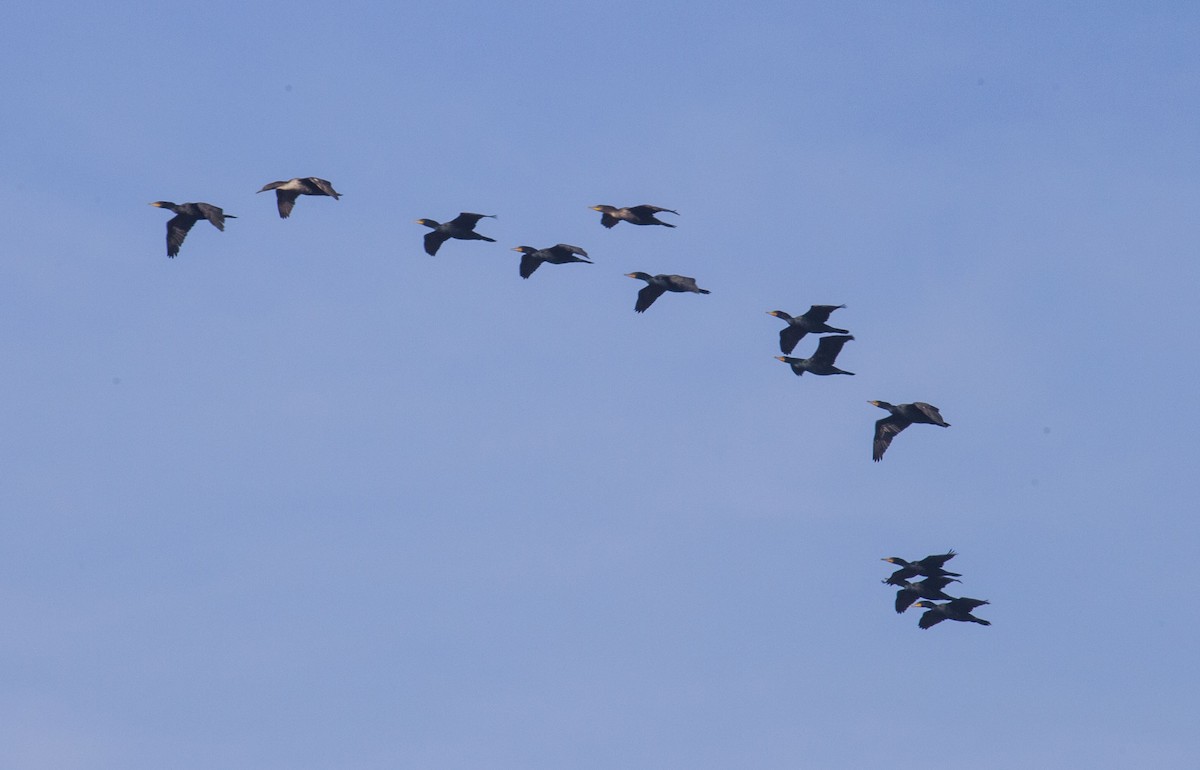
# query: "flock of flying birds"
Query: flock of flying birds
{"points": [[814, 321], [462, 227], [932, 587]]}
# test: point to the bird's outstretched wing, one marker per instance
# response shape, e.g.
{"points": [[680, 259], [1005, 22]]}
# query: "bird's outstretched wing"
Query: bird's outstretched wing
{"points": [[886, 430], [646, 210], [434, 240], [468, 220], [214, 214], [829, 347], [529, 263], [931, 411], [931, 618], [819, 314], [285, 200], [938, 559], [789, 337], [647, 296], [325, 187], [177, 230], [567, 250]]}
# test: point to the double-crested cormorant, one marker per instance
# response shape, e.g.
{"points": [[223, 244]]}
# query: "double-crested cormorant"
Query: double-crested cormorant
{"points": [[186, 215], [955, 609], [659, 285], [559, 254], [287, 192], [634, 215], [929, 588], [930, 566], [812, 321], [461, 227], [902, 416], [822, 360]]}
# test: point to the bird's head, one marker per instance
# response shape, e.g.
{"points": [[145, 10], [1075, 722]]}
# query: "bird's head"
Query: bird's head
{"points": [[524, 249], [601, 208], [640, 275], [426, 222], [163, 204]]}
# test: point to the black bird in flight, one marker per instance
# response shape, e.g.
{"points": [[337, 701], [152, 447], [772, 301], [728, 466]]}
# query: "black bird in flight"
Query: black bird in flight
{"points": [[634, 215], [814, 321], [822, 360], [902, 415], [287, 192], [955, 609], [657, 285], [186, 215], [560, 254], [461, 227], [930, 566], [929, 588]]}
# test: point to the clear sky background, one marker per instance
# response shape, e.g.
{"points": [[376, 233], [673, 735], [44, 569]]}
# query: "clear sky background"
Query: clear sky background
{"points": [[305, 497]]}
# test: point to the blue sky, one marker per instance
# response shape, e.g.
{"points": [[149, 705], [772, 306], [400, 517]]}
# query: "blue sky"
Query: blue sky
{"points": [[305, 497]]}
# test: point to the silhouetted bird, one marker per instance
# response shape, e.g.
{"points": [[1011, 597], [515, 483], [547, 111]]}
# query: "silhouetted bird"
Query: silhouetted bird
{"points": [[902, 416], [461, 227], [812, 321], [287, 192], [186, 215], [657, 285], [560, 254], [822, 360], [930, 566], [929, 588], [956, 609], [634, 215]]}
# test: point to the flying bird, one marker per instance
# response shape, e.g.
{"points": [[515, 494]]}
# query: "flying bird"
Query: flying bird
{"points": [[461, 227], [186, 215], [822, 360], [956, 609], [814, 321], [287, 192], [929, 588], [634, 215], [657, 285], [930, 566], [902, 415], [559, 254]]}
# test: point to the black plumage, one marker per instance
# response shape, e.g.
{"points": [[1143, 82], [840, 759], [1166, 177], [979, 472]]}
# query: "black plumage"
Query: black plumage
{"points": [[902, 415], [287, 191], [560, 254], [186, 215], [955, 609], [461, 227], [634, 215], [657, 285], [814, 321], [822, 361], [930, 566], [929, 588]]}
